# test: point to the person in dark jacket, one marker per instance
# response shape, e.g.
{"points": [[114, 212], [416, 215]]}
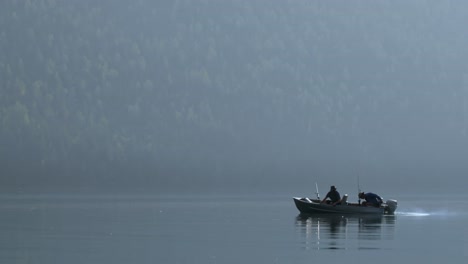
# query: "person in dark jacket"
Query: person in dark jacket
{"points": [[333, 195], [372, 199]]}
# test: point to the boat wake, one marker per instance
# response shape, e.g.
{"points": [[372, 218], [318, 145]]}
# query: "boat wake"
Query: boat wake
{"points": [[413, 213], [443, 213]]}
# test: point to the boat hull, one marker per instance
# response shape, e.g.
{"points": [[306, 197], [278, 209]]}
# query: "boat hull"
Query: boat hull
{"points": [[307, 206]]}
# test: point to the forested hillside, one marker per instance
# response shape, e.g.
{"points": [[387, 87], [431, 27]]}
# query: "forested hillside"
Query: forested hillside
{"points": [[150, 95]]}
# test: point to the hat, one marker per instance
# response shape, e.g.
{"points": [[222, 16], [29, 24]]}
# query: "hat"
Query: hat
{"points": [[333, 187]]}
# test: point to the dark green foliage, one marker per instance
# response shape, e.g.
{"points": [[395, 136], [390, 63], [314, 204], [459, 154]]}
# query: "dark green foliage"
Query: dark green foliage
{"points": [[98, 92]]}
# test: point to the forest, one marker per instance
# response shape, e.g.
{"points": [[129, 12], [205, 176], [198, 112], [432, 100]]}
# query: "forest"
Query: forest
{"points": [[151, 96]]}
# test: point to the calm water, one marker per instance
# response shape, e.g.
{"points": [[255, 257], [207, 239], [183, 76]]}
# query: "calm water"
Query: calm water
{"points": [[129, 229]]}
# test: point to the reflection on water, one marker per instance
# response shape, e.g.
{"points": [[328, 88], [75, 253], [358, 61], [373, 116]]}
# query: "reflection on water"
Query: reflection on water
{"points": [[325, 231]]}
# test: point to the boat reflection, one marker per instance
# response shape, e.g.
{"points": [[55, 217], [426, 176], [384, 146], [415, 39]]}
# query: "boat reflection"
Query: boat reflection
{"points": [[325, 231]]}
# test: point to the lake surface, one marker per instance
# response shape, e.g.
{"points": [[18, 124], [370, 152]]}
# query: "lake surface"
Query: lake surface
{"points": [[225, 229]]}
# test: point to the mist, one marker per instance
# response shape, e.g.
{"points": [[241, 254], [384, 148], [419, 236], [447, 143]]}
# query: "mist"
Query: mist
{"points": [[233, 96]]}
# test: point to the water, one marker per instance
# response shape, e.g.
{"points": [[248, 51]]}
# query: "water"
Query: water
{"points": [[223, 229]]}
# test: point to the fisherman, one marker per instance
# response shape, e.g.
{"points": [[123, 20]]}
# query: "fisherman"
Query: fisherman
{"points": [[333, 195], [372, 199]]}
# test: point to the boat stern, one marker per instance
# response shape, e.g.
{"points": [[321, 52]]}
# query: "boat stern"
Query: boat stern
{"points": [[391, 206]]}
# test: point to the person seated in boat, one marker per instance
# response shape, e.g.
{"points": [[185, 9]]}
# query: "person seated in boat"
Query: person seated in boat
{"points": [[371, 199], [333, 195]]}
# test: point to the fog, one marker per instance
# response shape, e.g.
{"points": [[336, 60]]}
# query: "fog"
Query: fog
{"points": [[233, 96]]}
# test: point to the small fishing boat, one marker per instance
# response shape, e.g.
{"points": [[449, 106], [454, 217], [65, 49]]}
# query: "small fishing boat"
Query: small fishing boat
{"points": [[314, 206]]}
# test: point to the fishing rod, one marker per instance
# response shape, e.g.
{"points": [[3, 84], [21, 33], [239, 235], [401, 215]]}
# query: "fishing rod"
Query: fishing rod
{"points": [[316, 191], [359, 190]]}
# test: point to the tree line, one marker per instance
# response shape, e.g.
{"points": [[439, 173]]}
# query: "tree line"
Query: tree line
{"points": [[170, 92]]}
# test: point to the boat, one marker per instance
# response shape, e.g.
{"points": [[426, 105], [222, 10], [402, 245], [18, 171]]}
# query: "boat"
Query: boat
{"points": [[306, 205]]}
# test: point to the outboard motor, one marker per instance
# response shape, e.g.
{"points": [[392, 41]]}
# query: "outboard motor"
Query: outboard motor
{"points": [[391, 206]]}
